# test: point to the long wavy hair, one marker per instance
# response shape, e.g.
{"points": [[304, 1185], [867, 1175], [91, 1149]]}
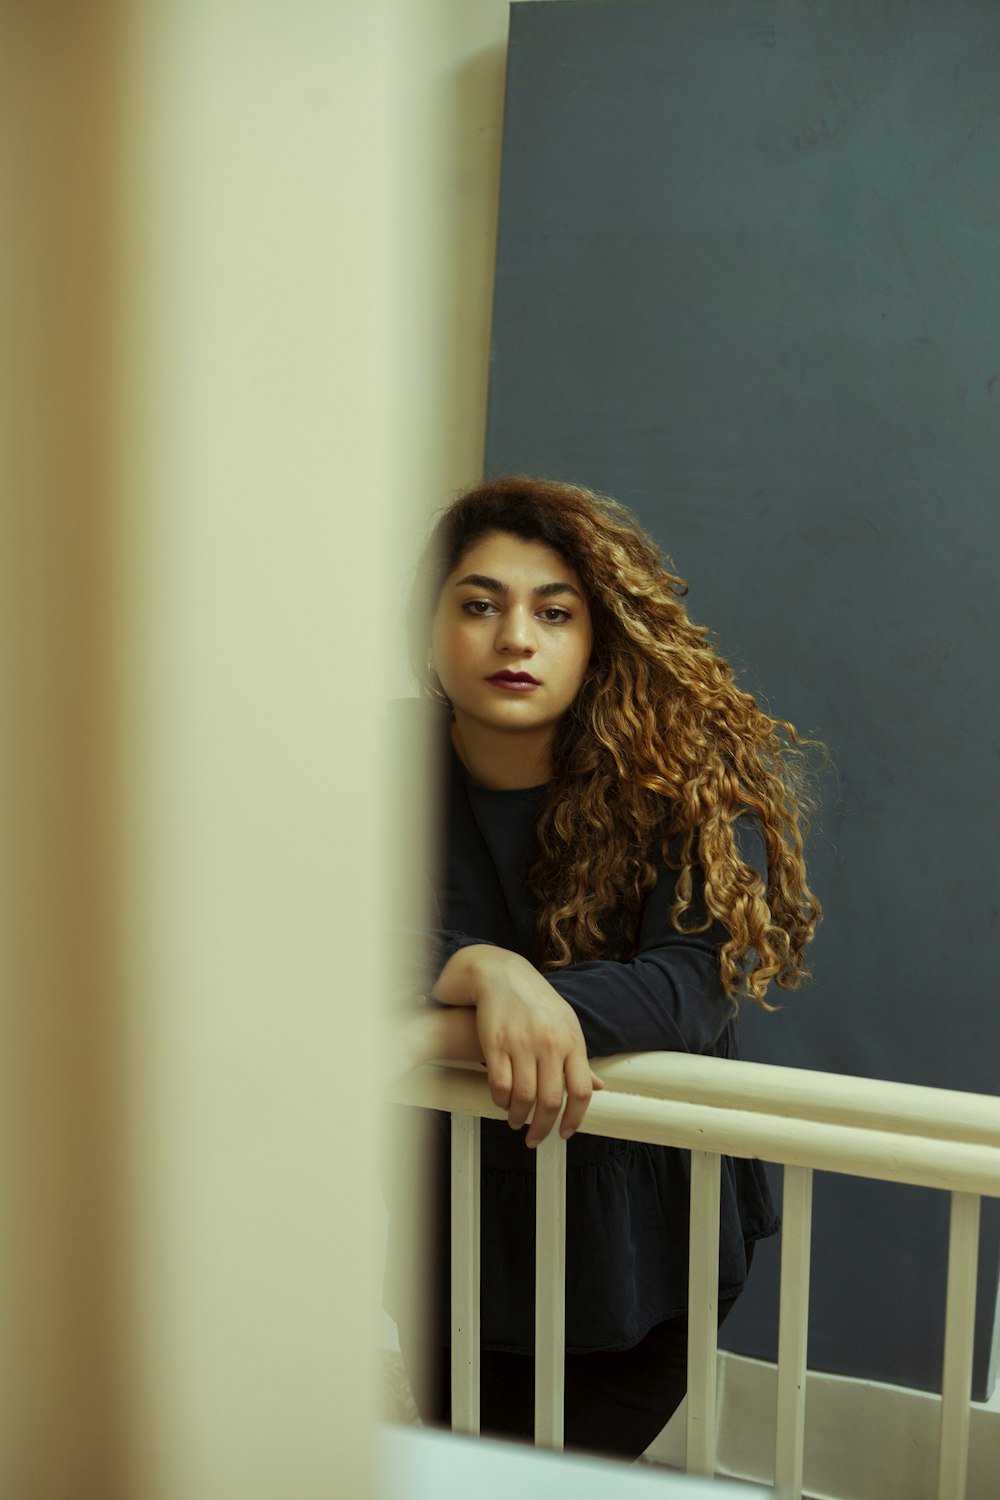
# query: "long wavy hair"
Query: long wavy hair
{"points": [[660, 749]]}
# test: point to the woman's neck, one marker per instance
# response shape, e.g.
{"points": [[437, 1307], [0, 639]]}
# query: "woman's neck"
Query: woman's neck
{"points": [[502, 761]]}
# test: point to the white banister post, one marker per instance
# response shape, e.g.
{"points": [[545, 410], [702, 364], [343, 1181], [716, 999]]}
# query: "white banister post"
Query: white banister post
{"points": [[465, 1270], [793, 1330], [550, 1291], [703, 1311], [959, 1336]]}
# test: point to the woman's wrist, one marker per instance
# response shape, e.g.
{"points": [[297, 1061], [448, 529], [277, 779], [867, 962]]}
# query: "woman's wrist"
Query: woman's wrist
{"points": [[463, 977]]}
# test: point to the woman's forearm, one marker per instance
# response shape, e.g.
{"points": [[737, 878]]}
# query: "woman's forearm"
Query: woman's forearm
{"points": [[455, 1038], [429, 1035], [435, 1035]]}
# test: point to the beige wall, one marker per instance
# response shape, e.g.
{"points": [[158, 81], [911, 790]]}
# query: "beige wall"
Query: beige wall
{"points": [[58, 1310], [446, 172], [250, 281]]}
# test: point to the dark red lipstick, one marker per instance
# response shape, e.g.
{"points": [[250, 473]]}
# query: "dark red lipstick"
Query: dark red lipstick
{"points": [[521, 681]]}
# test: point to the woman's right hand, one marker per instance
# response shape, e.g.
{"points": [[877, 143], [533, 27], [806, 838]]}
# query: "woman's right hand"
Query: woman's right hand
{"points": [[530, 1038]]}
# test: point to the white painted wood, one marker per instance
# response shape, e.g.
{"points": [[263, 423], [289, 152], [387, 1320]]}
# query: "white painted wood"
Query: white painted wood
{"points": [[465, 1268], [864, 1440], [960, 1327], [802, 1094], [550, 1291], [461, 1089], [422, 1464], [926, 1161], [703, 1312], [938, 1138], [793, 1330]]}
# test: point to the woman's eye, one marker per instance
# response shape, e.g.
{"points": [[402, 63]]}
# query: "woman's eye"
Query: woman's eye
{"points": [[480, 608]]}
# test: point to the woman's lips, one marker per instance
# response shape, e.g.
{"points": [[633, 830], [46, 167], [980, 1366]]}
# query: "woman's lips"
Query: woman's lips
{"points": [[515, 683]]}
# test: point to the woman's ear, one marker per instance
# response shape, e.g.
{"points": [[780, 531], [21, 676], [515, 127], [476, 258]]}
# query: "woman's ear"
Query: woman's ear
{"points": [[434, 682]]}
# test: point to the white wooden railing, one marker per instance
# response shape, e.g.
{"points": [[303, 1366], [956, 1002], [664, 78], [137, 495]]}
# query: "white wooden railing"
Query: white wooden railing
{"points": [[712, 1106]]}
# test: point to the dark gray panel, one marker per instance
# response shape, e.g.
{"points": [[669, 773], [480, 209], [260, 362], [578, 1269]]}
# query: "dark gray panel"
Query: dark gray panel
{"points": [[747, 282]]}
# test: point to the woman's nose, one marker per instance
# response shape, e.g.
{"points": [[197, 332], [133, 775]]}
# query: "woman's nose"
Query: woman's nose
{"points": [[516, 632]]}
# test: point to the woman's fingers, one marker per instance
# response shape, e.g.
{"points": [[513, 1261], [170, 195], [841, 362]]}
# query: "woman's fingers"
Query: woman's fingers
{"points": [[579, 1090], [549, 1101], [500, 1076], [523, 1088], [534, 1049]]}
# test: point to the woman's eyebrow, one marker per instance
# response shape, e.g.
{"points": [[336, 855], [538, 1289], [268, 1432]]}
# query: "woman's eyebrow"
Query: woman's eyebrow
{"points": [[543, 591]]}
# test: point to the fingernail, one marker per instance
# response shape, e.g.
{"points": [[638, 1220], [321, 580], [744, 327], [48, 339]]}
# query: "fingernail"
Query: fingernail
{"points": [[567, 1133]]}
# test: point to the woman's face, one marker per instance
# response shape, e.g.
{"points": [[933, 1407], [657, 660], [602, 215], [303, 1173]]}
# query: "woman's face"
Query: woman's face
{"points": [[512, 635]]}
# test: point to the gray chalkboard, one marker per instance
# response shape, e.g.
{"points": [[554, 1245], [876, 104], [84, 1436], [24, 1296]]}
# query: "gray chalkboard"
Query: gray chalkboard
{"points": [[747, 282]]}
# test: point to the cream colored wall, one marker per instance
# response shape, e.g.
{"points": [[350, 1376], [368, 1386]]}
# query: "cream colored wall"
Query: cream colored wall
{"points": [[258, 249], [256, 244], [446, 163], [58, 1306]]}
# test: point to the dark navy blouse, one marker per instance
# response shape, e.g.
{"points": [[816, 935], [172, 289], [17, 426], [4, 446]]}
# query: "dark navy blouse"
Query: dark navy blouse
{"points": [[627, 1203]]}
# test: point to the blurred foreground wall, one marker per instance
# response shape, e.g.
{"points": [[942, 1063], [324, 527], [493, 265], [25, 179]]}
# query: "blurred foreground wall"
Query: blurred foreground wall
{"points": [[247, 258]]}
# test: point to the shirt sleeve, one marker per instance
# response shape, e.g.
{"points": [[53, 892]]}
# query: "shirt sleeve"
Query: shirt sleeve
{"points": [[444, 945], [428, 949], [668, 998]]}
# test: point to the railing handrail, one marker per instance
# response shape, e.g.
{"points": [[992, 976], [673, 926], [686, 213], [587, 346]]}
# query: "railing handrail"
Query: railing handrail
{"points": [[804, 1094], [715, 1107], [797, 1093], [841, 1130]]}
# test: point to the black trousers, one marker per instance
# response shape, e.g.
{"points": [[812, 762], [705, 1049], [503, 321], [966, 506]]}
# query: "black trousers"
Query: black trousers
{"points": [[615, 1404]]}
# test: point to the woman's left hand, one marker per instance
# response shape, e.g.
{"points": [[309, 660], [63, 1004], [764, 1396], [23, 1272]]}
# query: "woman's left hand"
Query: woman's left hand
{"points": [[530, 1038]]}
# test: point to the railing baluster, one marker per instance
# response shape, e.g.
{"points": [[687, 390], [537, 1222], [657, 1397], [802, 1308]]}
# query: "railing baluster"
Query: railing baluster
{"points": [[550, 1291], [898, 1133], [465, 1273], [703, 1311], [959, 1335], [793, 1330]]}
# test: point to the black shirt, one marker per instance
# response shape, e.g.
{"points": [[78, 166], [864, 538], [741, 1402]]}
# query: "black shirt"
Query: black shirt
{"points": [[627, 1202]]}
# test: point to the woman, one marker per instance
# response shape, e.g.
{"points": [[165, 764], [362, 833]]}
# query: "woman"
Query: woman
{"points": [[621, 863]]}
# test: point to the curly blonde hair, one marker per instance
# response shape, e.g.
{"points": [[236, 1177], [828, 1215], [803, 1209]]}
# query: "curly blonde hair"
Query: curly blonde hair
{"points": [[659, 748]]}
